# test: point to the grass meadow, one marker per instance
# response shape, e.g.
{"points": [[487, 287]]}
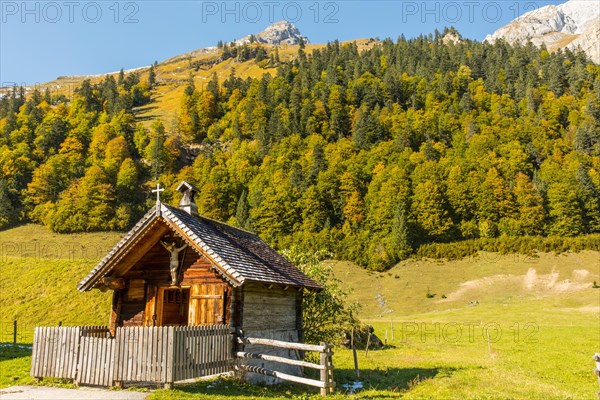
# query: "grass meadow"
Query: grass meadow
{"points": [[485, 327]]}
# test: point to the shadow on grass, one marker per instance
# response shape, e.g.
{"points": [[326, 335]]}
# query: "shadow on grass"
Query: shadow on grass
{"points": [[392, 380], [145, 109], [9, 351], [231, 387]]}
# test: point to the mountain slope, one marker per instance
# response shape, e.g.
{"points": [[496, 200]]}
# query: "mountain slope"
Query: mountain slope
{"points": [[173, 75], [570, 25]]}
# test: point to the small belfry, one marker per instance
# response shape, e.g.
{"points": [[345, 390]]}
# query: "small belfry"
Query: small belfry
{"points": [[187, 202]]}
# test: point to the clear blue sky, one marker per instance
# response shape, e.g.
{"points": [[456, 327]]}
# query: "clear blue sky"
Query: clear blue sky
{"points": [[40, 40]]}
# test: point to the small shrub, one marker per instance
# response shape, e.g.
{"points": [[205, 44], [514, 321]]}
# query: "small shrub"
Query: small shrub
{"points": [[528, 245], [328, 312], [430, 295]]}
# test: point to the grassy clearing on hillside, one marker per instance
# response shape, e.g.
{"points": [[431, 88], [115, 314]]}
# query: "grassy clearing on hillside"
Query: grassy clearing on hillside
{"points": [[555, 282], [38, 242], [39, 273]]}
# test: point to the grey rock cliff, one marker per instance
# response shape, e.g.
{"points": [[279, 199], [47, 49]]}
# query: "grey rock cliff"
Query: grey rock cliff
{"points": [[573, 24], [282, 32]]}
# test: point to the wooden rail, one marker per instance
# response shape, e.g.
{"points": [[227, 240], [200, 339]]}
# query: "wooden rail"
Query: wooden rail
{"points": [[325, 366], [282, 344], [289, 361]]}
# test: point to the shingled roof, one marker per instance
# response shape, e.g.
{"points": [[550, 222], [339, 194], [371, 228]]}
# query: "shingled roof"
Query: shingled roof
{"points": [[238, 255]]}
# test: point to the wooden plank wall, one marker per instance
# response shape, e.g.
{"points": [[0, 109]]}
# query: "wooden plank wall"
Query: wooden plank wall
{"points": [[137, 304], [133, 305], [271, 313], [207, 304], [269, 308]]}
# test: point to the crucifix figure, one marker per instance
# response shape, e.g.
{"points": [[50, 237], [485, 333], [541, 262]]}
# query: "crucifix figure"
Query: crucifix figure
{"points": [[174, 263]]}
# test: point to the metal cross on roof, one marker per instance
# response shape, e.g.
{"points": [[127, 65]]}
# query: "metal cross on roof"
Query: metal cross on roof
{"points": [[157, 191]]}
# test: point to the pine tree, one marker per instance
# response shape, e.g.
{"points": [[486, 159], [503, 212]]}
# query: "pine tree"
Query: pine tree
{"points": [[242, 212], [590, 195], [429, 210], [530, 207], [401, 236], [151, 77], [213, 87], [155, 150], [565, 211], [121, 79], [494, 198], [8, 216]]}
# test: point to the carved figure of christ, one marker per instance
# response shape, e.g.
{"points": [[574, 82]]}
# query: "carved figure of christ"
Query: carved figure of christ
{"points": [[174, 262]]}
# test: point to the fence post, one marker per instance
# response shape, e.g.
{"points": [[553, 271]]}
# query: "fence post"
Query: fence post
{"points": [[597, 369], [14, 332], [232, 347], [354, 354], [330, 369], [324, 372]]}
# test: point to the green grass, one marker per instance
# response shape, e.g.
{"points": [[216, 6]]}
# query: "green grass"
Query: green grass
{"points": [[557, 283], [37, 242], [15, 362], [39, 272], [541, 312]]}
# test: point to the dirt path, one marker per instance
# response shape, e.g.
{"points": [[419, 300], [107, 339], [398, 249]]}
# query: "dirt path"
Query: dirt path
{"points": [[51, 393]]}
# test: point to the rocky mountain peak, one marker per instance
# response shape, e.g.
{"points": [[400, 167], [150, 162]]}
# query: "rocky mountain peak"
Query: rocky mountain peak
{"points": [[573, 24], [452, 37], [282, 32]]}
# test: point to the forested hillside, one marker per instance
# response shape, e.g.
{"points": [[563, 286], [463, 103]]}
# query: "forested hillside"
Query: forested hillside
{"points": [[366, 154]]}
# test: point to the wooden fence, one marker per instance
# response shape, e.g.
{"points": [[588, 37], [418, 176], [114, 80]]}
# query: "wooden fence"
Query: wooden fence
{"points": [[15, 332], [325, 366], [56, 350], [158, 355], [202, 351]]}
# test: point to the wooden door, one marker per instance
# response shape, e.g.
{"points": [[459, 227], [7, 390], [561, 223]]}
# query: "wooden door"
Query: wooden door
{"points": [[175, 303], [150, 314], [207, 304]]}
